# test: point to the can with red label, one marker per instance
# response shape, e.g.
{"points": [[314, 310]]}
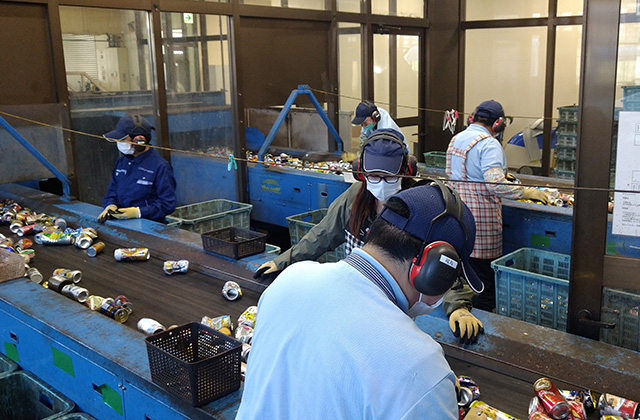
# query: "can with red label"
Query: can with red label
{"points": [[131, 254], [552, 400], [613, 405], [577, 410]]}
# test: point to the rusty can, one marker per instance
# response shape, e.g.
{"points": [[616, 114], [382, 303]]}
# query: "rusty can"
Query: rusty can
{"points": [[150, 326], [552, 400], [75, 292], [613, 405], [95, 249], [131, 254], [56, 283], [114, 311], [73, 275], [171, 267], [94, 302], [34, 275], [231, 290]]}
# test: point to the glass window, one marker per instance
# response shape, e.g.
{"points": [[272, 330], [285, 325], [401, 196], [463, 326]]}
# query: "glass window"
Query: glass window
{"points": [[351, 6], [381, 69], [516, 55], [297, 4], [350, 80], [408, 55], [406, 8], [500, 9], [570, 7]]}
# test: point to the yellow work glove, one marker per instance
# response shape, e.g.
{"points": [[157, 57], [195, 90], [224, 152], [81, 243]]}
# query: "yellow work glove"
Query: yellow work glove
{"points": [[267, 271], [127, 213], [465, 326], [106, 213], [535, 194], [512, 178]]}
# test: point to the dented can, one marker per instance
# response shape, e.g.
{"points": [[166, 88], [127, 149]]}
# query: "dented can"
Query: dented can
{"points": [[94, 302], [95, 249], [124, 302], [23, 243], [73, 275], [552, 400], [15, 226], [150, 326], [231, 290], [613, 405], [180, 266], [75, 292], [47, 237], [25, 230], [34, 275], [83, 241], [131, 254]]}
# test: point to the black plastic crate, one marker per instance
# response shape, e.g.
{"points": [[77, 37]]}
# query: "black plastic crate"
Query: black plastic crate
{"points": [[194, 362], [23, 396], [234, 242]]}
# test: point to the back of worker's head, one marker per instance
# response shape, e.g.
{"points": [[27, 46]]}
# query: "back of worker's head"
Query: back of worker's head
{"points": [[491, 114], [430, 226]]}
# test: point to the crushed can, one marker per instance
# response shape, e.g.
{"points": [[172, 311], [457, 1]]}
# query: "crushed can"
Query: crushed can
{"points": [[180, 266], [552, 400], [482, 408], [75, 292], [150, 326], [60, 223], [94, 302], [246, 349], [73, 275], [54, 238], [217, 323], [612, 405], [15, 226], [231, 290], [131, 254], [248, 317], [244, 334], [23, 244], [34, 275], [95, 249], [124, 302], [25, 230]]}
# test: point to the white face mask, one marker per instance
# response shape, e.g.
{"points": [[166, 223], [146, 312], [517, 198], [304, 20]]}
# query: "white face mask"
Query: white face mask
{"points": [[421, 308], [125, 148], [382, 190]]}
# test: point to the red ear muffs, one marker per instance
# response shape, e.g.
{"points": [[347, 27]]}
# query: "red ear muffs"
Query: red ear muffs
{"points": [[412, 166], [356, 170], [499, 125], [376, 116], [435, 269]]}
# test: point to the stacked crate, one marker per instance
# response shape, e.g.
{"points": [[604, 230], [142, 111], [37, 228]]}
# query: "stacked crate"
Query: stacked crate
{"points": [[567, 141]]}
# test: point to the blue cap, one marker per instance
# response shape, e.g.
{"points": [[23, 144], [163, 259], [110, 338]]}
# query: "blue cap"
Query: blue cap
{"points": [[383, 151], [489, 109], [130, 125], [426, 202], [365, 109]]}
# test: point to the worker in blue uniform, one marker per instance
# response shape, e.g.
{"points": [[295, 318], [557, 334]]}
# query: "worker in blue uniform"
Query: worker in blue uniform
{"points": [[142, 184], [337, 340]]}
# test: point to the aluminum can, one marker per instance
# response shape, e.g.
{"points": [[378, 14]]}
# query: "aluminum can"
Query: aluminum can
{"points": [[180, 266], [231, 290], [54, 238], [217, 323], [539, 415], [23, 243], [489, 411], [94, 302], [613, 405], [124, 302], [246, 349], [60, 223], [95, 249], [466, 397], [73, 275], [75, 292], [577, 410], [34, 275], [131, 254], [535, 405], [552, 400], [114, 311], [24, 230], [15, 226], [150, 326], [248, 317], [244, 334], [56, 283], [83, 241]]}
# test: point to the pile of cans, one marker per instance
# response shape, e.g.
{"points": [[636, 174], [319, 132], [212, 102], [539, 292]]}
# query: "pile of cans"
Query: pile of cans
{"points": [[243, 332], [288, 161]]}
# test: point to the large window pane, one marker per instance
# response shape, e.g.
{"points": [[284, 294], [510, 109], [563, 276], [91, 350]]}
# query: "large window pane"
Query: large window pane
{"points": [[351, 6], [500, 9], [570, 7], [516, 55], [406, 8], [408, 55], [350, 80]]}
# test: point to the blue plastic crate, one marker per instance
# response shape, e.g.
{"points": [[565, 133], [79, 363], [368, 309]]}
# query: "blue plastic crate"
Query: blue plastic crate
{"points": [[7, 365], [565, 174], [533, 285], [568, 112], [565, 165], [630, 91], [622, 308], [435, 159], [567, 140], [301, 224], [25, 396], [566, 153], [567, 127]]}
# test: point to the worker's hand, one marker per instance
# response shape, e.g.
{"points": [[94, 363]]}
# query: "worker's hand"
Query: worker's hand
{"points": [[512, 178], [106, 213], [267, 271], [535, 194], [127, 213], [465, 326]]}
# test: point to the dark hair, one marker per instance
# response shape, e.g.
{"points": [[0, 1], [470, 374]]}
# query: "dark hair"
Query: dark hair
{"points": [[364, 206], [484, 120], [396, 243]]}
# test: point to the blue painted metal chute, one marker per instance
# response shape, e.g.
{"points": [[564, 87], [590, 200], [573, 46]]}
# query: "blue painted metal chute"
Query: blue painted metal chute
{"points": [[302, 89]]}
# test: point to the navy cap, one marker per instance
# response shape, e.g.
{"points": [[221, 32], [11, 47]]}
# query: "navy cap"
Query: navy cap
{"points": [[364, 110], [489, 109], [130, 125], [426, 202], [383, 152]]}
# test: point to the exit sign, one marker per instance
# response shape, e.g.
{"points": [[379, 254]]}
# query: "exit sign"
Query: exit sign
{"points": [[188, 17]]}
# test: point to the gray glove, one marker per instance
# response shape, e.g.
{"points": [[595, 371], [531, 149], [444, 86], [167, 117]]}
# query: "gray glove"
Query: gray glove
{"points": [[535, 194]]}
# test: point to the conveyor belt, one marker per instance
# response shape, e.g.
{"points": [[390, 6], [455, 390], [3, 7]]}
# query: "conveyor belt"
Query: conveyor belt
{"points": [[169, 299]]}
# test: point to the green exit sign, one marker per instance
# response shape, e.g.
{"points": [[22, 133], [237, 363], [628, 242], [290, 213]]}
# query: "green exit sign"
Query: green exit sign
{"points": [[188, 17]]}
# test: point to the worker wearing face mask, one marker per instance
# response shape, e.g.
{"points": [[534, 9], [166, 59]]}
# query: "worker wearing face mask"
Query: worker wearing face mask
{"points": [[371, 118], [142, 184]]}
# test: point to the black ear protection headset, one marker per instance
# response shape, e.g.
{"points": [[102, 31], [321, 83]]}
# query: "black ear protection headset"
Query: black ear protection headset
{"points": [[437, 267], [409, 164], [140, 141]]}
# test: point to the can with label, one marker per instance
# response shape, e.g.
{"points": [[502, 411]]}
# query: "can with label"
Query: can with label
{"points": [[15, 226], [180, 266], [114, 311], [231, 290], [150, 326], [124, 302], [552, 400], [577, 410], [95, 249], [73, 275], [56, 283], [83, 241], [60, 223], [34, 275], [25, 230], [22, 244], [613, 405], [94, 302], [131, 254], [75, 292], [54, 238]]}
